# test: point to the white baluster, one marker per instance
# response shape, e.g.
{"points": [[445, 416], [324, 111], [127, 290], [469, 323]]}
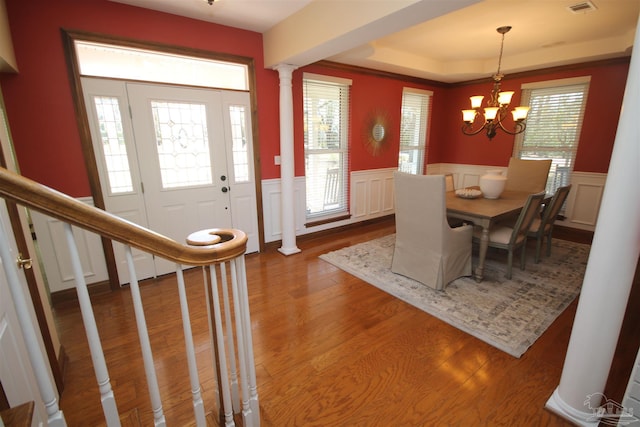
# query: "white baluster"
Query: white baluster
{"points": [[54, 414], [97, 356], [145, 345], [247, 415], [212, 342], [224, 384], [246, 324], [198, 405], [233, 371]]}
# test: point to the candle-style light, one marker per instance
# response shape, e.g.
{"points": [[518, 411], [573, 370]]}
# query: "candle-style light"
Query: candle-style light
{"points": [[497, 106]]}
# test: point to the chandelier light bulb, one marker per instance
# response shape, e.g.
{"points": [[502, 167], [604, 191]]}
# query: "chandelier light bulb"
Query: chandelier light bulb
{"points": [[520, 113], [504, 98], [476, 101], [468, 115], [490, 113]]}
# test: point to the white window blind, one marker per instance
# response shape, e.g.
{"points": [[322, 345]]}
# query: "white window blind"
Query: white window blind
{"points": [[553, 128], [326, 145], [416, 107]]}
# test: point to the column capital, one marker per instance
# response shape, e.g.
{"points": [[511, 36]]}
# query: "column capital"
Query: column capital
{"points": [[285, 70]]}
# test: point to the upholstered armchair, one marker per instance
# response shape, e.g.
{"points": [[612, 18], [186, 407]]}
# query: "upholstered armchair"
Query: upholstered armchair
{"points": [[427, 249]]}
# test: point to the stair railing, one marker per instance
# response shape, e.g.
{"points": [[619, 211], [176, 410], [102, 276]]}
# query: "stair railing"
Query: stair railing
{"points": [[220, 253]]}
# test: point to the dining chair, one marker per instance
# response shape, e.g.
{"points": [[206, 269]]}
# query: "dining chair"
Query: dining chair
{"points": [[543, 227], [426, 248], [527, 175], [448, 182], [513, 238], [450, 186]]}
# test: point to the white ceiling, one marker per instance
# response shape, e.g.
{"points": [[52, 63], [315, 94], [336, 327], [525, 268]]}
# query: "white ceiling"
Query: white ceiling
{"points": [[458, 46]]}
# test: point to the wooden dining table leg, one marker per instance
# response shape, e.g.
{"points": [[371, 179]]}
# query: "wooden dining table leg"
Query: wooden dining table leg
{"points": [[484, 244]]}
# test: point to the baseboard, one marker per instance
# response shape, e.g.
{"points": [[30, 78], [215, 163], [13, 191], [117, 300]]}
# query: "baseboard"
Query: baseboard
{"points": [[316, 234], [574, 234]]}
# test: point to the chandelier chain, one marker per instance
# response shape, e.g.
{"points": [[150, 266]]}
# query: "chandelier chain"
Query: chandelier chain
{"points": [[500, 57]]}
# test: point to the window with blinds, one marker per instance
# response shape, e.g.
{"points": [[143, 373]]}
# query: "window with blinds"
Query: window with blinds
{"points": [[553, 126], [326, 145], [416, 105]]}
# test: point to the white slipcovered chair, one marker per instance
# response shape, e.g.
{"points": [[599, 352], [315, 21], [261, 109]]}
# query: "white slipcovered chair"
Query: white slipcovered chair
{"points": [[427, 249], [527, 175]]}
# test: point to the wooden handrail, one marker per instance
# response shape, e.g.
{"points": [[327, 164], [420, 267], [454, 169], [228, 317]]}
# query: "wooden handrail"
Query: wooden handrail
{"points": [[41, 198]]}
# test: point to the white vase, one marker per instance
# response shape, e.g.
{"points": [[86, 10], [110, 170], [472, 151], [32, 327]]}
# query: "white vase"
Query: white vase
{"points": [[492, 184]]}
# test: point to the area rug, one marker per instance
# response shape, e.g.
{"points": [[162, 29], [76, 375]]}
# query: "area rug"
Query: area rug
{"points": [[507, 314]]}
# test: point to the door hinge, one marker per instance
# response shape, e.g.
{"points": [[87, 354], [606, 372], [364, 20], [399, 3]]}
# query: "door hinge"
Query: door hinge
{"points": [[142, 187]]}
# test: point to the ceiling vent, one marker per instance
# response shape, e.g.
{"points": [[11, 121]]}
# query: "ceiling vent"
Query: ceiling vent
{"points": [[582, 7]]}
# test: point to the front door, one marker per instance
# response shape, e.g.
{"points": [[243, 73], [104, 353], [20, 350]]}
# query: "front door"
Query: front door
{"points": [[168, 159]]}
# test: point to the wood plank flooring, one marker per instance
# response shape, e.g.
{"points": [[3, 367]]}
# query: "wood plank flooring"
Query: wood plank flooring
{"points": [[330, 350]]}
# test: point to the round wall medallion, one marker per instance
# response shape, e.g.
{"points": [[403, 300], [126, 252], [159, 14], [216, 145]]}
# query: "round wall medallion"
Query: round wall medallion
{"points": [[376, 133]]}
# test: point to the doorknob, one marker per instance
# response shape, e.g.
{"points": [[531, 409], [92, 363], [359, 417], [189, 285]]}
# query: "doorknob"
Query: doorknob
{"points": [[225, 189], [223, 178], [23, 262]]}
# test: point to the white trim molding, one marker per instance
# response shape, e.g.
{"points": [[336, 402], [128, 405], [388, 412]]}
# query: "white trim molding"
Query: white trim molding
{"points": [[371, 196]]}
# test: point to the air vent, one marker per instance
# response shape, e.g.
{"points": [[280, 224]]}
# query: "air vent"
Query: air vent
{"points": [[583, 7]]}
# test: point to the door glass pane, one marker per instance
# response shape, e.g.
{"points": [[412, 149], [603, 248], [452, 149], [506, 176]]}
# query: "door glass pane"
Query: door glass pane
{"points": [[182, 143], [120, 62], [113, 145], [240, 149]]}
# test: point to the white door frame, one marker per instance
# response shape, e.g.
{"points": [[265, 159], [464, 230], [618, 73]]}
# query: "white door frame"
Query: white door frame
{"points": [[237, 195]]}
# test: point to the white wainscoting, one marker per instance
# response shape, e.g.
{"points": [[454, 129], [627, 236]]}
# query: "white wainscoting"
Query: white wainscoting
{"points": [[54, 252], [371, 196], [583, 202]]}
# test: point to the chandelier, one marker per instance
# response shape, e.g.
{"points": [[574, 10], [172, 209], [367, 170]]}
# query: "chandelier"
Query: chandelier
{"points": [[496, 110]]}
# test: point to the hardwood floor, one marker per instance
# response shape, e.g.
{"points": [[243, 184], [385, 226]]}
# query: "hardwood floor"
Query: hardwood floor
{"points": [[330, 350]]}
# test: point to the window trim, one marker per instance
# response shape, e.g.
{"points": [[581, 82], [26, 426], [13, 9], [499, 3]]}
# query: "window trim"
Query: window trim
{"points": [[322, 217], [422, 147], [526, 89]]}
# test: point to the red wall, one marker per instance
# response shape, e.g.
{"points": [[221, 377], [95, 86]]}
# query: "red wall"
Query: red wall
{"points": [[43, 124], [38, 99], [369, 95], [599, 127]]}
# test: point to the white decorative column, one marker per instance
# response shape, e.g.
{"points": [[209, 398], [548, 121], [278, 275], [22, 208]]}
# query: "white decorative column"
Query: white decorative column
{"points": [[610, 270], [287, 171]]}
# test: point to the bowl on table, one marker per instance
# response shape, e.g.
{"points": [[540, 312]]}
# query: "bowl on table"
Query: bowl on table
{"points": [[468, 193]]}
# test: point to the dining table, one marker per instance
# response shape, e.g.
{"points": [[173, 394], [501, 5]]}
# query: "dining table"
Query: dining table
{"points": [[485, 213]]}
